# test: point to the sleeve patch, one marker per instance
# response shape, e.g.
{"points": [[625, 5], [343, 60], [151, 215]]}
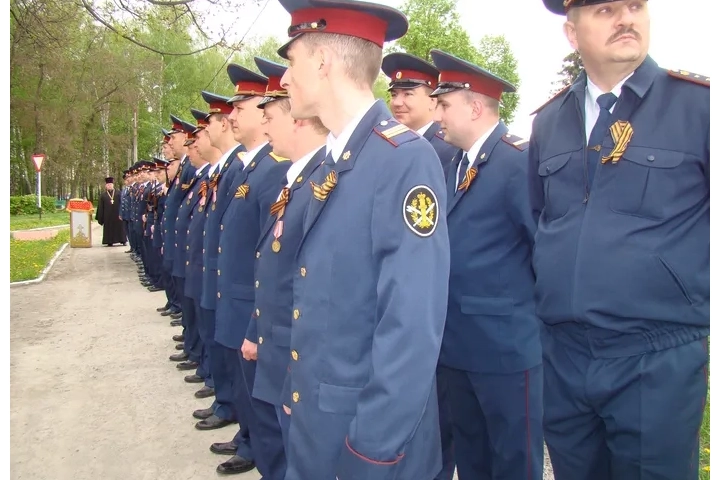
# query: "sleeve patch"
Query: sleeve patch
{"points": [[420, 211], [690, 77], [515, 141]]}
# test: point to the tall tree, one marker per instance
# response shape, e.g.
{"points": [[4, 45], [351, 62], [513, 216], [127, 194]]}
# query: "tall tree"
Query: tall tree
{"points": [[571, 68], [436, 24]]}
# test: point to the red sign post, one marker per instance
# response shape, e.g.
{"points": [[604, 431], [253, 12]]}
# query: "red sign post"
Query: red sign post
{"points": [[38, 159]]}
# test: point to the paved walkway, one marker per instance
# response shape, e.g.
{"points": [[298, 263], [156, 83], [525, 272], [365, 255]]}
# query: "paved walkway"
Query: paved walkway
{"points": [[93, 394]]}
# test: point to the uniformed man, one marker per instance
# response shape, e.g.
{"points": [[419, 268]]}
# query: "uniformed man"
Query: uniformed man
{"points": [[412, 80], [268, 338], [371, 287], [620, 179], [185, 171], [491, 357], [192, 343], [125, 206], [221, 175], [167, 154], [156, 234], [254, 189]]}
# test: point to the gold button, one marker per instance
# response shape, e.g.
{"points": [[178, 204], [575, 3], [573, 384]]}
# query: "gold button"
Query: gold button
{"points": [[294, 355], [187, 247], [218, 294], [296, 314], [187, 263], [257, 284], [257, 312], [203, 269], [303, 271], [222, 227], [260, 340], [203, 250], [188, 232], [176, 245], [296, 397], [219, 249], [218, 272], [257, 254], [203, 233]]}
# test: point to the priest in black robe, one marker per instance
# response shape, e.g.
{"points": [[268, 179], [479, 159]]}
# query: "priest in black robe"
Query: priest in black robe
{"points": [[108, 215]]}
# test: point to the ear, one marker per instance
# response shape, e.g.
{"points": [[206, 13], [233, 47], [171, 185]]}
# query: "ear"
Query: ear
{"points": [[477, 108], [571, 34], [323, 60]]}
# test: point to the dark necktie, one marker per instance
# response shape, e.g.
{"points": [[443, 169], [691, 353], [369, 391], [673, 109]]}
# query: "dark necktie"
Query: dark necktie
{"points": [[602, 125], [464, 163]]}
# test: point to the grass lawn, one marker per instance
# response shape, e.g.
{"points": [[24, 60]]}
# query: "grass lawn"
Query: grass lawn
{"points": [[29, 258], [25, 222], [705, 444]]}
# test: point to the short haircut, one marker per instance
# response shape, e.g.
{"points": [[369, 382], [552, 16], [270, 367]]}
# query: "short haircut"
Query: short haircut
{"points": [[491, 103], [361, 58]]}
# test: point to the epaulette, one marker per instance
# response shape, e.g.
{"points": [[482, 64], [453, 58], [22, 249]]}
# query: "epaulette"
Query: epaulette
{"points": [[515, 141], [551, 99], [440, 134], [395, 132], [690, 77], [185, 186], [278, 158]]}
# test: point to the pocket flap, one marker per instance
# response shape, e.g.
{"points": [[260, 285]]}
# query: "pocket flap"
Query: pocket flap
{"points": [[337, 399], [486, 305], [242, 292], [553, 164], [653, 157]]}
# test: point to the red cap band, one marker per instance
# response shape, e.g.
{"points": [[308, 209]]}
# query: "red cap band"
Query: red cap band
{"points": [[476, 83], [220, 107], [407, 75], [250, 88], [343, 22]]}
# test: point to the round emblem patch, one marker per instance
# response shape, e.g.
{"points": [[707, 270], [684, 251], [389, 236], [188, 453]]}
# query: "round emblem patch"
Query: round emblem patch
{"points": [[420, 210]]}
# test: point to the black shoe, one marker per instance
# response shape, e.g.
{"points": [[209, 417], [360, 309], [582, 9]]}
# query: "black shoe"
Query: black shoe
{"points": [[154, 288], [127, 251], [194, 378], [205, 392], [167, 312], [178, 338], [235, 465], [187, 365], [179, 346], [203, 413], [213, 422], [176, 323], [178, 357], [162, 309], [176, 315], [224, 448]]}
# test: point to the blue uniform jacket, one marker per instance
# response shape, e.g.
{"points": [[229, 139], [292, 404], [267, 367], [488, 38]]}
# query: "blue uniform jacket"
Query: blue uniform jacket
{"points": [[369, 310], [444, 150], [274, 272], [157, 237], [214, 209], [627, 258], [491, 324], [174, 197], [253, 191], [195, 231], [182, 222], [125, 203]]}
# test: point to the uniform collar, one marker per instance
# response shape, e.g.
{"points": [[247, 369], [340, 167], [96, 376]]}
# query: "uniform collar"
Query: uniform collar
{"points": [[336, 145]]}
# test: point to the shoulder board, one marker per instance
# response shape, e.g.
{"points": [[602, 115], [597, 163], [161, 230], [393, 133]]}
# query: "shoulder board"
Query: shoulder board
{"points": [[185, 186], [561, 92], [395, 132], [278, 158], [515, 141], [690, 77], [440, 134]]}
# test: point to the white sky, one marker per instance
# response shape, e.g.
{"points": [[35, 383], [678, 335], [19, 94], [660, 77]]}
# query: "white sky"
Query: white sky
{"points": [[680, 38]]}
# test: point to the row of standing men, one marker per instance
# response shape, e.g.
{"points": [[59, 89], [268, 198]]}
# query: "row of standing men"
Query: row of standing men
{"points": [[361, 293]]}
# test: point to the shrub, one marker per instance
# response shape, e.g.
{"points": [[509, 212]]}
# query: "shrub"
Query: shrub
{"points": [[27, 204]]}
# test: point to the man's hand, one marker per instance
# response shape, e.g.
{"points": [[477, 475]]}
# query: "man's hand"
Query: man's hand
{"points": [[286, 409], [152, 229], [119, 217], [164, 189], [144, 218], [249, 350]]}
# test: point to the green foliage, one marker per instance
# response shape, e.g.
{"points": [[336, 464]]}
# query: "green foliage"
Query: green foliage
{"points": [[28, 258], [571, 68], [27, 204], [49, 219], [435, 24]]}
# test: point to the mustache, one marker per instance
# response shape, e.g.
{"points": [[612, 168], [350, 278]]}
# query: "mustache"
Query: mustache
{"points": [[623, 31]]}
